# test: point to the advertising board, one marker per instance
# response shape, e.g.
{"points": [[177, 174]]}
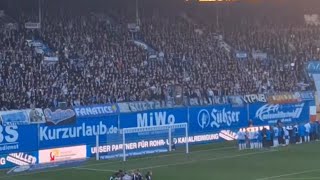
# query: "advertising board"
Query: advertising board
{"points": [[83, 132], [18, 159], [62, 154]]}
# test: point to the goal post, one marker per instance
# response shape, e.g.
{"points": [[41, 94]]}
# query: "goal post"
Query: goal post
{"points": [[168, 128], [138, 141]]}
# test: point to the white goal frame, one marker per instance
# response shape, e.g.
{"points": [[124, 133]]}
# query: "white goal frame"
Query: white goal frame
{"points": [[155, 128]]}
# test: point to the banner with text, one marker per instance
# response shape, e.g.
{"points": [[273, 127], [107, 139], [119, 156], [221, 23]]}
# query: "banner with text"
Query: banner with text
{"points": [[83, 132], [96, 111], [264, 114], [18, 138]]}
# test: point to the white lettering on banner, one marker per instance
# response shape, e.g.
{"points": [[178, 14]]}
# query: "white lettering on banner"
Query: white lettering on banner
{"points": [[252, 98], [218, 117], [8, 138], [228, 135], [75, 132], [269, 112], [87, 111], [21, 159], [160, 118], [2, 161], [154, 143]]}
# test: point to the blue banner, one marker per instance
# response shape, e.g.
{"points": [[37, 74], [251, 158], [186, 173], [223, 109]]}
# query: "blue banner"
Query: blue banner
{"points": [[18, 138], [264, 114], [15, 117], [313, 67], [59, 116], [307, 96], [96, 111], [156, 117], [83, 132], [18, 159], [241, 55], [217, 119]]}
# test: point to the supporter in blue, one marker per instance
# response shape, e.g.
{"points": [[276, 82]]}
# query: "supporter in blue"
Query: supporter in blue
{"points": [[312, 131], [275, 136], [296, 131], [241, 140], [301, 130], [292, 134], [260, 139], [268, 138], [281, 135], [307, 129], [286, 135], [317, 130]]}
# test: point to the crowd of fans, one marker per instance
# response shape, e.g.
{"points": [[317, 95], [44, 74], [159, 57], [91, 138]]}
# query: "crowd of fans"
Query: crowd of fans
{"points": [[100, 63]]}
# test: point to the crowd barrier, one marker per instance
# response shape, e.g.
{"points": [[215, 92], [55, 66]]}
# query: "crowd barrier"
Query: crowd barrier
{"points": [[50, 135]]}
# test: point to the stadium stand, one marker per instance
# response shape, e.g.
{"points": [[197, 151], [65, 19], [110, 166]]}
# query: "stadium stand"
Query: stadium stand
{"points": [[99, 60]]}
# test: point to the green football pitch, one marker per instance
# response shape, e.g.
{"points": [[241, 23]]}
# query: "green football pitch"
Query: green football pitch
{"points": [[207, 162]]}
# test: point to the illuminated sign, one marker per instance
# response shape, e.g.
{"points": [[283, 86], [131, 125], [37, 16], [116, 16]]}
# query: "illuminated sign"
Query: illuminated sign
{"points": [[62, 154]]}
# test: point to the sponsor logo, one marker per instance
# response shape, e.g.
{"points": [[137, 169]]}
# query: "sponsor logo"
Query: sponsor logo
{"points": [[98, 110], [228, 135], [252, 98], [217, 117], [3, 161], [273, 111], [21, 158], [54, 153], [59, 115], [49, 133], [63, 154], [284, 98], [142, 106], [154, 119], [9, 138], [204, 118], [306, 95]]}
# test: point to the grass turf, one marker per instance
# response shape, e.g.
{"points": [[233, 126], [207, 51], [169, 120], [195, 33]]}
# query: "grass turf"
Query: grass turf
{"points": [[212, 162]]}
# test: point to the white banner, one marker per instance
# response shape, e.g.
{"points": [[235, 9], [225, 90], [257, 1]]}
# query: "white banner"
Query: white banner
{"points": [[49, 59], [63, 154], [138, 106], [36, 116], [259, 55], [30, 25], [312, 19]]}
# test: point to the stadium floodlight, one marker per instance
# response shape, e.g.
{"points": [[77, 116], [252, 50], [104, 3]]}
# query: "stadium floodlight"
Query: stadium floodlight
{"points": [[153, 138]]}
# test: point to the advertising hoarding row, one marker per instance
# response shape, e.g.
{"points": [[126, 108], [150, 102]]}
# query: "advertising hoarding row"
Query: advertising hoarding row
{"points": [[207, 124]]}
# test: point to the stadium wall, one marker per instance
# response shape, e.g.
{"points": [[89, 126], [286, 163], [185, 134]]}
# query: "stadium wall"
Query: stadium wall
{"points": [[65, 134]]}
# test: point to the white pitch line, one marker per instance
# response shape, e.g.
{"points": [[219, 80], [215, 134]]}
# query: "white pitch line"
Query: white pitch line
{"points": [[289, 174], [305, 178], [92, 169], [160, 156], [212, 159], [114, 162]]}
